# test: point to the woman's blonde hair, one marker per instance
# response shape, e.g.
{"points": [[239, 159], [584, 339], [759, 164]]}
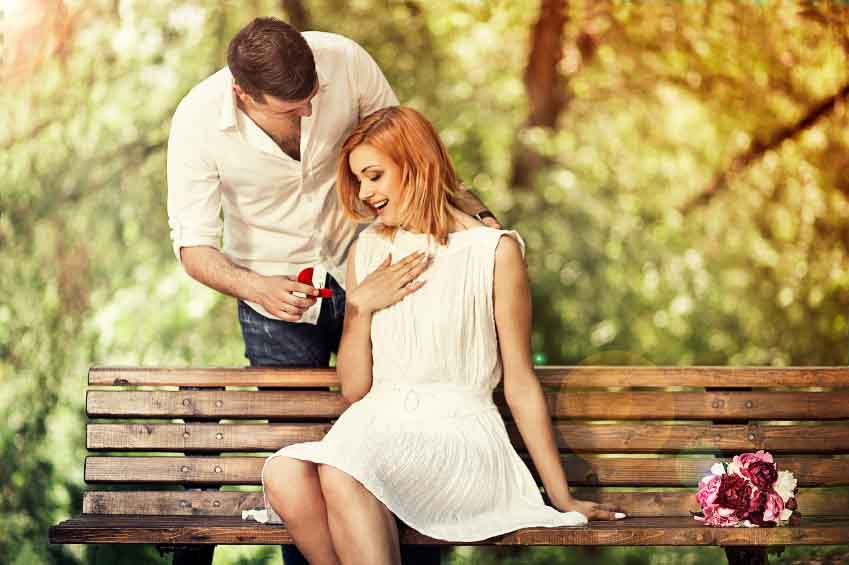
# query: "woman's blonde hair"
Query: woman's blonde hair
{"points": [[428, 181]]}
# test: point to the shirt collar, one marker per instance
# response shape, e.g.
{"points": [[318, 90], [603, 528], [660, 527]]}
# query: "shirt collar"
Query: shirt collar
{"points": [[227, 118]]}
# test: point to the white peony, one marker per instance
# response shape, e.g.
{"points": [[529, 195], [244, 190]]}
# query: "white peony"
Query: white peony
{"points": [[717, 469], [734, 469], [785, 485], [785, 514]]}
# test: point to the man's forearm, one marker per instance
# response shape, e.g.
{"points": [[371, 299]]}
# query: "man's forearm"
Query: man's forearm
{"points": [[209, 266], [468, 202]]}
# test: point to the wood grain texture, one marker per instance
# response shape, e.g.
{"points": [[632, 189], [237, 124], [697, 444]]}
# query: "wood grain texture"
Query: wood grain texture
{"points": [[558, 377], [571, 436], [633, 531], [738, 405], [590, 470], [200, 437], [291, 405], [812, 502]]}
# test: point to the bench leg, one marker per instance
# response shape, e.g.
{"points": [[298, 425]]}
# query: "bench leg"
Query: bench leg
{"points": [[421, 555], [189, 554], [746, 555]]}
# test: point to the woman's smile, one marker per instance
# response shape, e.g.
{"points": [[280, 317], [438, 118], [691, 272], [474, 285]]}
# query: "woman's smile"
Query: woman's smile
{"points": [[380, 181]]}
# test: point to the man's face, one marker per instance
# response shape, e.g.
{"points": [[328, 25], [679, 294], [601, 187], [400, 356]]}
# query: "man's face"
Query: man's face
{"points": [[275, 109]]}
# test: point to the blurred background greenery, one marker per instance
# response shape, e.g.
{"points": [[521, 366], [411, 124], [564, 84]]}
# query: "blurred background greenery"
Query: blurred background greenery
{"points": [[679, 170]]}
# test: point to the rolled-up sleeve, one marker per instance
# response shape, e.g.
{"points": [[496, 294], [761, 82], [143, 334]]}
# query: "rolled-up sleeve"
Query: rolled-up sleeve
{"points": [[372, 88], [194, 197]]}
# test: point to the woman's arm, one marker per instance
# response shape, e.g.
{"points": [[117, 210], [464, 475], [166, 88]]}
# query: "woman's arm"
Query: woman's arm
{"points": [[353, 360], [380, 289], [524, 394]]}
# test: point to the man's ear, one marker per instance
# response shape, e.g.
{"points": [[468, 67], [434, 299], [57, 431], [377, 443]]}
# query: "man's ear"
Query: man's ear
{"points": [[240, 93]]}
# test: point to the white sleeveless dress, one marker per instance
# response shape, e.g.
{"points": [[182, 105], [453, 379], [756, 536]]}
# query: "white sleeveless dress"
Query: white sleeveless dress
{"points": [[427, 440]]}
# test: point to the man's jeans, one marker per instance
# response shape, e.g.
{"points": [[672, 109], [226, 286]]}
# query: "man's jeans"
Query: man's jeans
{"points": [[276, 343]]}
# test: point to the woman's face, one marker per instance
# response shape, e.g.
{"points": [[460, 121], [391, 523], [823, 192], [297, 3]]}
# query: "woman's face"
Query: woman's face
{"points": [[380, 182]]}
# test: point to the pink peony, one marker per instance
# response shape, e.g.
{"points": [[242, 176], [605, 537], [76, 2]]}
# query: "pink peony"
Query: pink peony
{"points": [[774, 507], [708, 489], [765, 508], [714, 515], [758, 467]]}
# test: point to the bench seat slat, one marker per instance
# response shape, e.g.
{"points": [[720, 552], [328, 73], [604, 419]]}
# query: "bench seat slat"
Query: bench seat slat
{"points": [[738, 405], [595, 471], [634, 531], [812, 501], [555, 376], [575, 436]]}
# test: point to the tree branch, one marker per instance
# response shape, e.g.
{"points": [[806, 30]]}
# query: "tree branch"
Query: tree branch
{"points": [[759, 148]]}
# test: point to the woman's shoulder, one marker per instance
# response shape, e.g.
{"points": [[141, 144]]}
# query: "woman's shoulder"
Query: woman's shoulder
{"points": [[488, 238]]}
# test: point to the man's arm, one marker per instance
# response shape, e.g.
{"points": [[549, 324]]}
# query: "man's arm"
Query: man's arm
{"points": [[371, 87], [194, 215], [212, 268], [469, 203]]}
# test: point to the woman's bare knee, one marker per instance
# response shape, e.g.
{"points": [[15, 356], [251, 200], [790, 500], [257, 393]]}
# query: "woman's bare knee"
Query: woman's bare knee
{"points": [[336, 485], [292, 485]]}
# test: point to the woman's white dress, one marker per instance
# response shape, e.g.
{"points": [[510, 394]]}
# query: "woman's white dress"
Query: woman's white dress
{"points": [[427, 440]]}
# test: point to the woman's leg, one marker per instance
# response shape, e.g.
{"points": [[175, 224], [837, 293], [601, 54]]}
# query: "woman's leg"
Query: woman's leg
{"points": [[293, 489], [363, 529]]}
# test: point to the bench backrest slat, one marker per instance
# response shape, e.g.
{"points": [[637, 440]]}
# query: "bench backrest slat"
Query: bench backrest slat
{"points": [[571, 436], [557, 377], [582, 470], [596, 405]]}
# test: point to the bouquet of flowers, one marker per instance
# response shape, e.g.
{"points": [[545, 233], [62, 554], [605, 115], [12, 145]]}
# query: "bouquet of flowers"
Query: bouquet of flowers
{"points": [[750, 491]]}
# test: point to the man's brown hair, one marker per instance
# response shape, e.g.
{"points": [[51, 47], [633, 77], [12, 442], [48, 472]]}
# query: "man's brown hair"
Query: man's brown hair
{"points": [[268, 56]]}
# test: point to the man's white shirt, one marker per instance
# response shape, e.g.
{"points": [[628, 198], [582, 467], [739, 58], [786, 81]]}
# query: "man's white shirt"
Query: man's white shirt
{"points": [[280, 215]]}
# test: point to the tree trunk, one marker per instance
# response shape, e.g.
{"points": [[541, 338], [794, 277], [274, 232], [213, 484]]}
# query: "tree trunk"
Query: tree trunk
{"points": [[299, 18], [543, 85], [546, 86]]}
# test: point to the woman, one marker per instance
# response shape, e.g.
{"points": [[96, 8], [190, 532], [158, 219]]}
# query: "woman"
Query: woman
{"points": [[423, 346]]}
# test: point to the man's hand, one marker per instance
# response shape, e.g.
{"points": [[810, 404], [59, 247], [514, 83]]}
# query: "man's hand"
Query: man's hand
{"points": [[275, 295], [491, 222], [209, 266]]}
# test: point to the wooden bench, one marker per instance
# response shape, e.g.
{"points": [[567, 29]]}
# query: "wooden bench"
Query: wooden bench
{"points": [[639, 436]]}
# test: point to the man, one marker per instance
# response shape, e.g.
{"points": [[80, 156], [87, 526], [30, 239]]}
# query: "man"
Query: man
{"points": [[259, 141]]}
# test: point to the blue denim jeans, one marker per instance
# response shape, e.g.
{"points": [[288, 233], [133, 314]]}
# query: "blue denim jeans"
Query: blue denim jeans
{"points": [[276, 343]]}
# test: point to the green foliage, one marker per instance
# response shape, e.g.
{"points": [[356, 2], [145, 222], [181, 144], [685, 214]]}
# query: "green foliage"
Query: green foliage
{"points": [[670, 95]]}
